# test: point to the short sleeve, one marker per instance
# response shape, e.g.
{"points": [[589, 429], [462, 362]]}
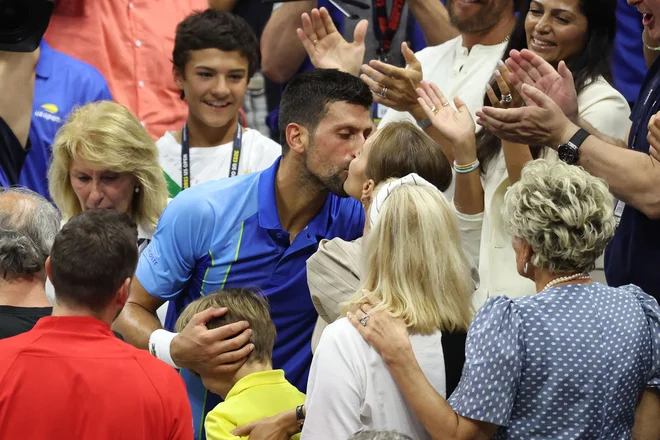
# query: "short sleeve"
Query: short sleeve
{"points": [[182, 237], [652, 314], [218, 426], [493, 364]]}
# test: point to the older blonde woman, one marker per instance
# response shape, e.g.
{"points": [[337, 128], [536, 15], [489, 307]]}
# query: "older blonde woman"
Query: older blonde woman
{"points": [[569, 362], [104, 158], [415, 267]]}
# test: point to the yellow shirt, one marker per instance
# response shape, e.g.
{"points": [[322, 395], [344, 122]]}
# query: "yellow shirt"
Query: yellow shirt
{"points": [[257, 395]]}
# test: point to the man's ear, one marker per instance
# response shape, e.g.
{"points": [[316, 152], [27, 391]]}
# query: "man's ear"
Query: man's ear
{"points": [[297, 137], [122, 294]]}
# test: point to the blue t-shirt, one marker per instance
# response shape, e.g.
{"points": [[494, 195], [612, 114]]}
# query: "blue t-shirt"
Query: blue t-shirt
{"points": [[227, 233], [62, 83], [633, 255], [628, 64]]}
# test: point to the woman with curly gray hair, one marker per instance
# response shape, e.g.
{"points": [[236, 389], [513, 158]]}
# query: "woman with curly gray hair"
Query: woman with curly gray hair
{"points": [[568, 362]]}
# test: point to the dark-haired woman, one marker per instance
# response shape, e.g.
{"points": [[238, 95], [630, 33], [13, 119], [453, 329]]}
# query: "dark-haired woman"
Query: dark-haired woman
{"points": [[579, 32]]}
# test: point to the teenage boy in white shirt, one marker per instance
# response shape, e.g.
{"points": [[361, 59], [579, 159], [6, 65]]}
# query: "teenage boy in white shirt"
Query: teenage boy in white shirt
{"points": [[215, 55]]}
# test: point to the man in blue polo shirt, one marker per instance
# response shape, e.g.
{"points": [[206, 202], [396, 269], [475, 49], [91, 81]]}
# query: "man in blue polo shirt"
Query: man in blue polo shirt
{"points": [[255, 230], [62, 83]]}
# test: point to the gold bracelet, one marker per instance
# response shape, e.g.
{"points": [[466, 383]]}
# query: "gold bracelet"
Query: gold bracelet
{"points": [[467, 166]]}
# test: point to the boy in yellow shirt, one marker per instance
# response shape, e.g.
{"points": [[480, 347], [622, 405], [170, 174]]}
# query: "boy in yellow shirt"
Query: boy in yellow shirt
{"points": [[256, 390]]}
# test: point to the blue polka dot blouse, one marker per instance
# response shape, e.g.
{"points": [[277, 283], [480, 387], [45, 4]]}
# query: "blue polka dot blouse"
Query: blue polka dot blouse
{"points": [[567, 363]]}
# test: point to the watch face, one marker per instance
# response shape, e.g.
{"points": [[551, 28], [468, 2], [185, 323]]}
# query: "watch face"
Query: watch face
{"points": [[567, 153]]}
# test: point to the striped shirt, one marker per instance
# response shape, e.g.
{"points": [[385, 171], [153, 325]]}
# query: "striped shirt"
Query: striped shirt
{"points": [[227, 233]]}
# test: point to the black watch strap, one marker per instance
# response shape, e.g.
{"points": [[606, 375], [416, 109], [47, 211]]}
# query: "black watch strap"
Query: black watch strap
{"points": [[579, 137], [300, 417]]}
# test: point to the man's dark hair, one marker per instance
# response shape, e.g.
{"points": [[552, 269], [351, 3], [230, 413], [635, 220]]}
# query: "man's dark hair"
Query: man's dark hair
{"points": [[213, 29], [92, 256], [306, 98]]}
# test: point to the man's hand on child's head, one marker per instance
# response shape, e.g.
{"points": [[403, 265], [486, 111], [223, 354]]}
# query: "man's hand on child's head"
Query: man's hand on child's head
{"points": [[221, 350]]}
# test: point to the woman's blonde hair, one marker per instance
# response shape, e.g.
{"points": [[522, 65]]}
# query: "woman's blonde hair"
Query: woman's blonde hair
{"points": [[563, 212], [414, 263], [107, 136]]}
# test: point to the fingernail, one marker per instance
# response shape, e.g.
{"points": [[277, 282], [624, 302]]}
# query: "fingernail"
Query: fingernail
{"points": [[251, 347], [497, 73], [500, 63], [349, 315], [489, 87]]}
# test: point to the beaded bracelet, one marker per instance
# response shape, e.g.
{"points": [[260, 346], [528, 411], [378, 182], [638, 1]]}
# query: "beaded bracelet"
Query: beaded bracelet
{"points": [[464, 169]]}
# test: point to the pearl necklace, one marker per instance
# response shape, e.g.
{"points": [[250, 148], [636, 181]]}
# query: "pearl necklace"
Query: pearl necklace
{"points": [[577, 276]]}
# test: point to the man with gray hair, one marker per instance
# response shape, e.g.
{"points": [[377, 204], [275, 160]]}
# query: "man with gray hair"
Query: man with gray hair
{"points": [[28, 225]]}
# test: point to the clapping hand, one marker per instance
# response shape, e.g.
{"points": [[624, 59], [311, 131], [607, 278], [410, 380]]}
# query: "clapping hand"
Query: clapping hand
{"points": [[326, 47], [654, 137], [394, 86], [510, 97], [456, 126], [529, 68]]}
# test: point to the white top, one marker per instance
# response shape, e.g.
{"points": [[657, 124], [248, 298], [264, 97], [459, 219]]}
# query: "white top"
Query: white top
{"points": [[258, 152], [350, 387], [485, 241], [456, 73]]}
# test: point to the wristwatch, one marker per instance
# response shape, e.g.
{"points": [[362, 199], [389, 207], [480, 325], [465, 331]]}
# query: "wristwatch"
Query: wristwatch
{"points": [[300, 417], [424, 123], [569, 152]]}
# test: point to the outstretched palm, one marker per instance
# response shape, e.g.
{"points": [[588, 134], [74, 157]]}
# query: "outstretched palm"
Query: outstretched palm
{"points": [[558, 85], [456, 126], [327, 48]]}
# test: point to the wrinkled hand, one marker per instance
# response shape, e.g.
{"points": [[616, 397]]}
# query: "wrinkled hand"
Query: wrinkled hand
{"points": [[326, 47], [506, 84], [270, 428], [529, 68], [400, 82], [654, 137], [386, 334], [218, 351], [540, 123], [456, 126]]}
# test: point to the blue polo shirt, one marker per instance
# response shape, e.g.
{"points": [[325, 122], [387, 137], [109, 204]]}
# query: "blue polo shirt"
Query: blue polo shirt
{"points": [[633, 255], [62, 83], [628, 64], [227, 233]]}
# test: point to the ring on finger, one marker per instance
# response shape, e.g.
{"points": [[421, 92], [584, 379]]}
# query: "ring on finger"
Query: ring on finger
{"points": [[507, 98], [315, 42], [384, 92], [434, 110], [364, 320]]}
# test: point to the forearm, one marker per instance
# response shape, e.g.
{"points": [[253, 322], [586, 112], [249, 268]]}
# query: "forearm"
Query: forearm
{"points": [[433, 18], [515, 156], [282, 53], [136, 324], [469, 192], [633, 177], [603, 137], [435, 413], [647, 422]]}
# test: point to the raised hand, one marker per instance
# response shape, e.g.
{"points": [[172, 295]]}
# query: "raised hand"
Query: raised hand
{"points": [[510, 97], [326, 47], [394, 86], [541, 122], [455, 126], [529, 68]]}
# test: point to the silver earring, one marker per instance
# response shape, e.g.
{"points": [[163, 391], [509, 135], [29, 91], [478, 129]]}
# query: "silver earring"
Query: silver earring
{"points": [[525, 267], [137, 189]]}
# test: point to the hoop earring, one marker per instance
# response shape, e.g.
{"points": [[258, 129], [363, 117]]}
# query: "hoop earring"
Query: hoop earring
{"points": [[137, 189], [525, 267]]}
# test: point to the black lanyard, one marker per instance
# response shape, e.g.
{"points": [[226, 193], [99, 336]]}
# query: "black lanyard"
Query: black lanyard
{"points": [[185, 155], [384, 28]]}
